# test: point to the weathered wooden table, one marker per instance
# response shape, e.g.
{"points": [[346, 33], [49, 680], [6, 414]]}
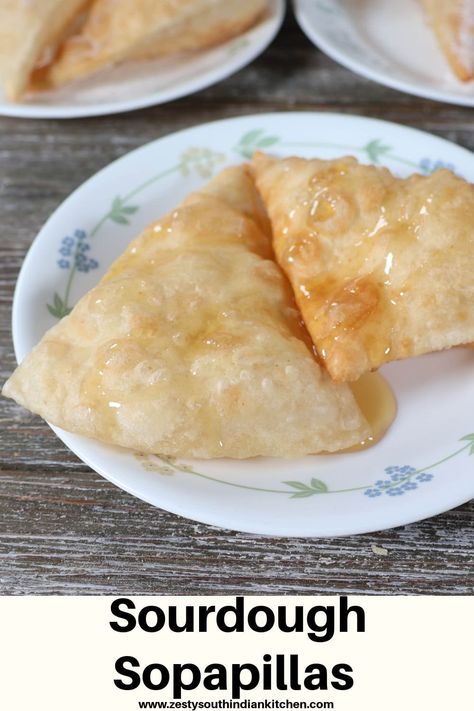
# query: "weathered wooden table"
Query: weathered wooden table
{"points": [[64, 529]]}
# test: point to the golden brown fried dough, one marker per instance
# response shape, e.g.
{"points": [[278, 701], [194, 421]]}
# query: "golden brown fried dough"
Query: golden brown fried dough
{"points": [[382, 268], [29, 34], [117, 30], [191, 345]]}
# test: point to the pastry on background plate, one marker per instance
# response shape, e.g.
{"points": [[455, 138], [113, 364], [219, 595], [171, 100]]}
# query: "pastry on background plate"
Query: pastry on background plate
{"points": [[29, 35], [191, 345], [119, 30], [381, 267], [453, 23]]}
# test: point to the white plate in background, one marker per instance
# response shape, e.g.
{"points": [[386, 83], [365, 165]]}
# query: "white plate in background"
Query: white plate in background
{"points": [[388, 41], [135, 85], [420, 468]]}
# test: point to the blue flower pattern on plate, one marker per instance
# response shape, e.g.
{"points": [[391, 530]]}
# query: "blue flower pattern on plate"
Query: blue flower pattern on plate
{"points": [[73, 253], [424, 477], [399, 481], [373, 493]]}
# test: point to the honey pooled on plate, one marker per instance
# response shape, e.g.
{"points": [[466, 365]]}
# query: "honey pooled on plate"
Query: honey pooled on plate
{"points": [[378, 404]]}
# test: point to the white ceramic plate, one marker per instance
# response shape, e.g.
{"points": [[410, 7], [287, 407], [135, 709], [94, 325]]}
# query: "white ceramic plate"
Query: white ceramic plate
{"points": [[420, 468], [384, 40], [135, 85]]}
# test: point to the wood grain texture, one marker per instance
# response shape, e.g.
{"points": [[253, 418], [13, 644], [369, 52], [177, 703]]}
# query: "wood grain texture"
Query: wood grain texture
{"points": [[63, 529]]}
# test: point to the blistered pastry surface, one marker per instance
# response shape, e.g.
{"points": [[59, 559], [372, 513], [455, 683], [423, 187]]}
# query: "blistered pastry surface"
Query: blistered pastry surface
{"points": [[382, 268], [191, 345]]}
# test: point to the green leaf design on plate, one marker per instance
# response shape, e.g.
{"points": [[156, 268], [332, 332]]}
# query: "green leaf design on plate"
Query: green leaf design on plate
{"points": [[251, 136], [302, 490], [469, 438], [268, 141], [59, 308], [252, 140], [319, 486], [297, 485], [119, 211], [375, 149]]}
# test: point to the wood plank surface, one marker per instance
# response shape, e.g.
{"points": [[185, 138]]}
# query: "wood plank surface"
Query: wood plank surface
{"points": [[65, 530]]}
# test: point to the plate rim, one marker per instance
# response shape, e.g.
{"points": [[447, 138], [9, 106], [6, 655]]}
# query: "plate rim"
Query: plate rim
{"points": [[263, 530], [429, 510], [319, 39], [190, 86]]}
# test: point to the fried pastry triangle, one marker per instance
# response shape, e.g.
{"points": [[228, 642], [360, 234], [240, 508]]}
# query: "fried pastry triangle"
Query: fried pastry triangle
{"points": [[117, 30], [191, 345], [382, 268], [29, 31]]}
